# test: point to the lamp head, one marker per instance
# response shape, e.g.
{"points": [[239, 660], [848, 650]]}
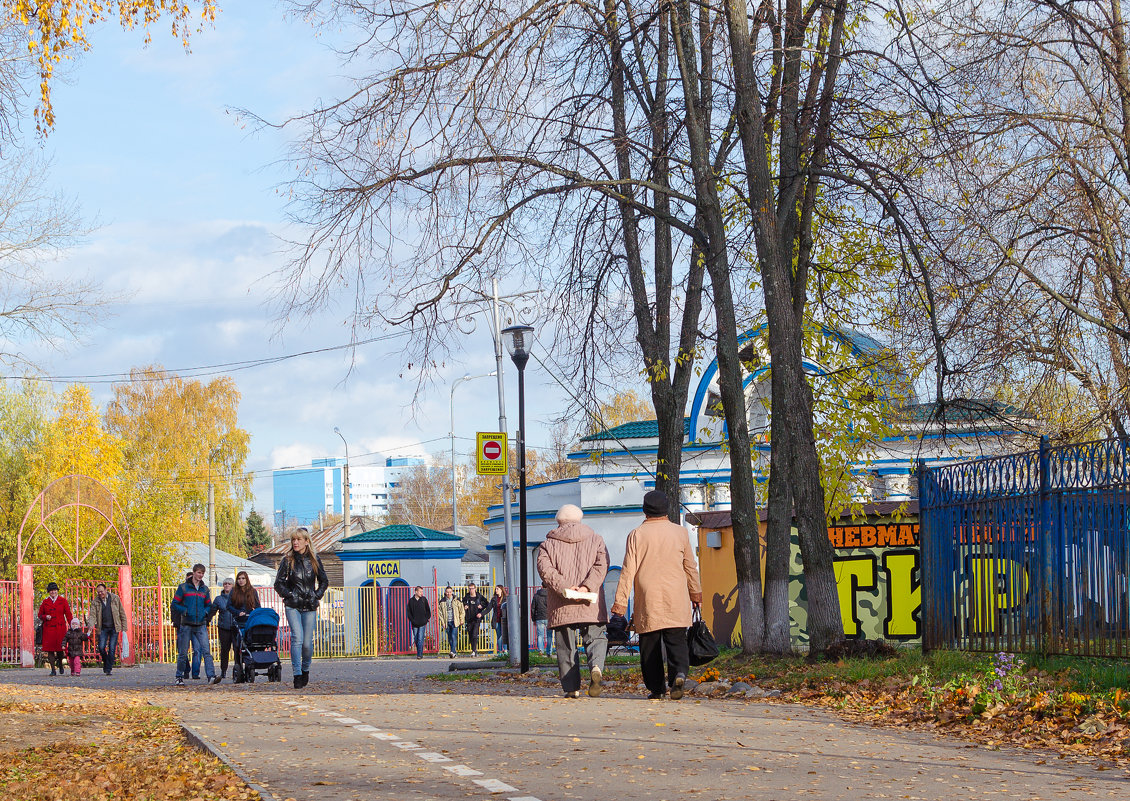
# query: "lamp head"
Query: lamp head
{"points": [[337, 431], [518, 339]]}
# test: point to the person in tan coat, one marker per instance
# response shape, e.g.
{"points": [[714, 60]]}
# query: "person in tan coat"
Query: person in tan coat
{"points": [[659, 566], [574, 559]]}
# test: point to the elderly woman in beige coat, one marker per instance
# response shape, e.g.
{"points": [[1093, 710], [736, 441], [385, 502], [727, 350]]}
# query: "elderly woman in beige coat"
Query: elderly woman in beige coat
{"points": [[659, 566], [574, 560]]}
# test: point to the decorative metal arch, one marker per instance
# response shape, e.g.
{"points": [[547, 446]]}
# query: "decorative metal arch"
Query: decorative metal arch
{"points": [[76, 492]]}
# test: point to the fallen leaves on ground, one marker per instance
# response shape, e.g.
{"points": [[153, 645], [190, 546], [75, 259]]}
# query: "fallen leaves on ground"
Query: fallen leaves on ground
{"points": [[115, 750], [1092, 728]]}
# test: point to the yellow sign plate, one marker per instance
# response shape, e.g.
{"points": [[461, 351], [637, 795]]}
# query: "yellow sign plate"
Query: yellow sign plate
{"points": [[385, 568], [490, 453]]}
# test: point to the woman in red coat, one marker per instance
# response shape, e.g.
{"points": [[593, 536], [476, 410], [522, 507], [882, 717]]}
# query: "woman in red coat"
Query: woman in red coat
{"points": [[56, 616]]}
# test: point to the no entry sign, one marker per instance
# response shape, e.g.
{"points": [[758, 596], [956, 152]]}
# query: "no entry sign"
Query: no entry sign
{"points": [[490, 452]]}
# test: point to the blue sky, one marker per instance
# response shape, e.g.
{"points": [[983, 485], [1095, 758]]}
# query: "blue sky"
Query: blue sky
{"points": [[187, 206]]}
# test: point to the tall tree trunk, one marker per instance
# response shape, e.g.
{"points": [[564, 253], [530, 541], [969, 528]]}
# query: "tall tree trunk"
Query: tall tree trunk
{"points": [[775, 229], [743, 492], [777, 548]]}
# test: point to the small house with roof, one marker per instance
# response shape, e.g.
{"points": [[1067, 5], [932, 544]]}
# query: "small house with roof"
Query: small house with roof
{"points": [[617, 465], [401, 555]]}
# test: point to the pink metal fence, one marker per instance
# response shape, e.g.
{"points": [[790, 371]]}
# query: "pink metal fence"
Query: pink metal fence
{"points": [[9, 623]]}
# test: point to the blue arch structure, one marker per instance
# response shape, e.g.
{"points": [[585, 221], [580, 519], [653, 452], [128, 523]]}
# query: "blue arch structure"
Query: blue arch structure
{"points": [[861, 345]]}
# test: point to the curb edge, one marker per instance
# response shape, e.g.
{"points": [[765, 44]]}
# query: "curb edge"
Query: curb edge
{"points": [[201, 743]]}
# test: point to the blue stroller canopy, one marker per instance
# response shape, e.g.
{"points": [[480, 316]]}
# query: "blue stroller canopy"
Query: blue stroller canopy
{"points": [[263, 616]]}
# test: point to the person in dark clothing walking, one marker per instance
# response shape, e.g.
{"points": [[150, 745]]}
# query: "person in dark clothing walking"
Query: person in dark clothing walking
{"points": [[225, 625], [475, 606], [301, 582], [498, 608], [107, 617], [539, 614], [174, 617], [193, 601], [244, 598], [419, 613]]}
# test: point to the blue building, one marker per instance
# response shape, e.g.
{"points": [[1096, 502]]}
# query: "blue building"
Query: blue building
{"points": [[303, 494]]}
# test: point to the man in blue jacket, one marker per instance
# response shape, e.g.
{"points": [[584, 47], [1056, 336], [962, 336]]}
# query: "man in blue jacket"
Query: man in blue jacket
{"points": [[193, 603]]}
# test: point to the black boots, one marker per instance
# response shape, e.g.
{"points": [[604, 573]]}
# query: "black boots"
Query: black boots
{"points": [[301, 680]]}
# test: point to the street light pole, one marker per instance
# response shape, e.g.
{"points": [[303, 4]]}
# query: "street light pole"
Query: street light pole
{"points": [[451, 433], [518, 338], [345, 486], [513, 622]]}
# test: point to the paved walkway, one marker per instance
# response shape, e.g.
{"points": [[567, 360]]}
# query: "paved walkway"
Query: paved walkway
{"points": [[365, 729]]}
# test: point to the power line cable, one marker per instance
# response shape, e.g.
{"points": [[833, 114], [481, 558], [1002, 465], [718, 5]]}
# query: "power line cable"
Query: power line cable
{"points": [[201, 371]]}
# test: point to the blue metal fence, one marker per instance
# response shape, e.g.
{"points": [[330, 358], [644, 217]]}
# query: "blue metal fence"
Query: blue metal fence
{"points": [[1029, 552]]}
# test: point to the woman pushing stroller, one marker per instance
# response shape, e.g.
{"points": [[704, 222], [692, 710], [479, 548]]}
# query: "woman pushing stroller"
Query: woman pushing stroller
{"points": [[301, 582], [233, 603]]}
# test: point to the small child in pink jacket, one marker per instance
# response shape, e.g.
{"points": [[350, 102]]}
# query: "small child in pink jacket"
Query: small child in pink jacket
{"points": [[75, 639]]}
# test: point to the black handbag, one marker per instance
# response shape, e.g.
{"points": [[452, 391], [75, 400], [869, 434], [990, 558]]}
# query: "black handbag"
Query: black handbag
{"points": [[700, 642]]}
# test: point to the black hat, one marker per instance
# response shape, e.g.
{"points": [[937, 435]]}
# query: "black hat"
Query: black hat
{"points": [[655, 504], [52, 586]]}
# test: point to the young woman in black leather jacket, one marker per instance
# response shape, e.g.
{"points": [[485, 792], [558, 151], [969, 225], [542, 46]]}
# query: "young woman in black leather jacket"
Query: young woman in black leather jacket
{"points": [[301, 582]]}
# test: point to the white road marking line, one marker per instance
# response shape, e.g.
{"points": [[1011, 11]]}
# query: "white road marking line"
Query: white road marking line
{"points": [[495, 786], [490, 785], [433, 756]]}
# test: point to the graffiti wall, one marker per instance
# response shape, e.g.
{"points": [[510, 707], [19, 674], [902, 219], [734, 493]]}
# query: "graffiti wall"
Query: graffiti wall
{"points": [[877, 573]]}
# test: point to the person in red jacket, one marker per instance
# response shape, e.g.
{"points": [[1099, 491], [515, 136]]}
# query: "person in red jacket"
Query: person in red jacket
{"points": [[55, 613]]}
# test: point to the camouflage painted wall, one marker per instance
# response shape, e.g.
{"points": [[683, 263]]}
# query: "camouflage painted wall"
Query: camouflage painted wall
{"points": [[877, 572]]}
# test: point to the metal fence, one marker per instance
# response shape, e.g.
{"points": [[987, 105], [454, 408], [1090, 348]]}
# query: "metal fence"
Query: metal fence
{"points": [[9, 622], [1029, 552], [351, 622]]}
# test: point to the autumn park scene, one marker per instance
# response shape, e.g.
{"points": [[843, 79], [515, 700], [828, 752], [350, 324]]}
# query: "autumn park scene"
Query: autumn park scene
{"points": [[557, 400]]}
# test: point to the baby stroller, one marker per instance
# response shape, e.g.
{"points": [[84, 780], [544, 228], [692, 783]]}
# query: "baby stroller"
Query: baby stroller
{"points": [[619, 639], [258, 648]]}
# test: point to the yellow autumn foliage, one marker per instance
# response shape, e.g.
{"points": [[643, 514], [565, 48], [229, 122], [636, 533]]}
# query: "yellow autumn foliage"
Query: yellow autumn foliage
{"points": [[56, 29]]}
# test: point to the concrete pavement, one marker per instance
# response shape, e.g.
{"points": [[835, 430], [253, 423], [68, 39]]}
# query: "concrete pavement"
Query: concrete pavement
{"points": [[366, 729]]}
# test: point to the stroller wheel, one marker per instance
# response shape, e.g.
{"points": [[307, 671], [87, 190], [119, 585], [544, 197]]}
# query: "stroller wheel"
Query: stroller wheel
{"points": [[250, 676], [237, 673], [274, 672]]}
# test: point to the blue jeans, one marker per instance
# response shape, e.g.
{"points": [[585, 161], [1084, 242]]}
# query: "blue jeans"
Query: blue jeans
{"points": [[452, 637], [107, 647], [198, 637], [301, 639], [418, 638], [544, 639]]}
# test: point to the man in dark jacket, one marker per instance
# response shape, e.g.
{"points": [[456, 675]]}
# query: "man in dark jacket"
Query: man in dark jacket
{"points": [[539, 614], [419, 613], [193, 602], [175, 618]]}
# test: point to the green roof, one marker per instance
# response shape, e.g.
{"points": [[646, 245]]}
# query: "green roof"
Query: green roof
{"points": [[963, 410], [402, 532], [639, 429]]}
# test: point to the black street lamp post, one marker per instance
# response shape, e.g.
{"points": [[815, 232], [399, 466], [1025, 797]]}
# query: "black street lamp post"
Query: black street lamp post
{"points": [[518, 339]]}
